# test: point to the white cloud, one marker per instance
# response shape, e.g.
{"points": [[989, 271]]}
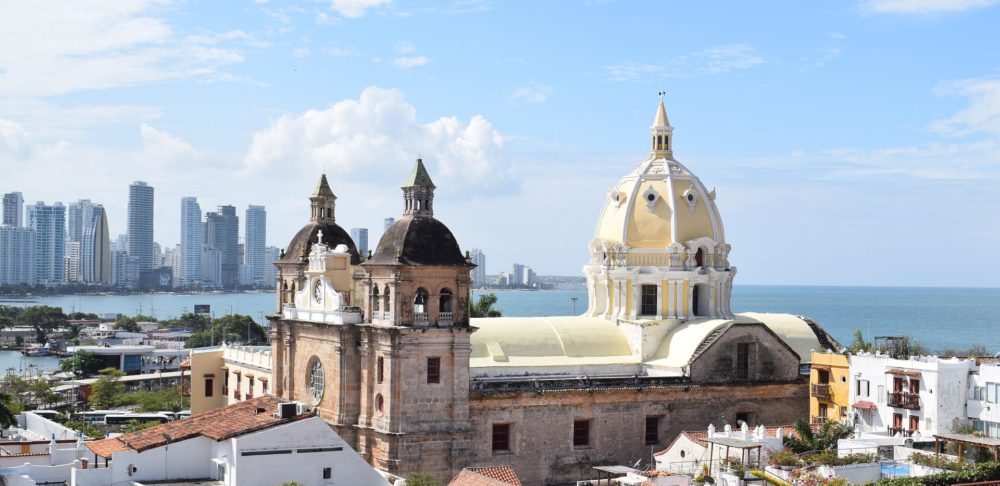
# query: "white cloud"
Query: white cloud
{"points": [[13, 138], [533, 93], [713, 60], [162, 148], [376, 137], [410, 62], [982, 115], [404, 47], [356, 8], [337, 51], [924, 6], [300, 52]]}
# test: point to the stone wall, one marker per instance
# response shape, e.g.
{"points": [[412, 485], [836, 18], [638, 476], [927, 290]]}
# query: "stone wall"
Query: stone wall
{"points": [[770, 359], [542, 450]]}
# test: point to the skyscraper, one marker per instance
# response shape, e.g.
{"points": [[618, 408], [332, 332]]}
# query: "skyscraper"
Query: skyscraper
{"points": [[191, 242], [140, 224], [95, 249], [360, 237], [17, 255], [78, 216], [71, 262], [49, 223], [478, 273], [387, 222], [254, 243], [13, 209], [222, 233], [271, 255]]}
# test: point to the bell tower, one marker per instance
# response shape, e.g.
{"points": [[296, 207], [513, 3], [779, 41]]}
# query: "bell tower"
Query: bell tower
{"points": [[323, 203]]}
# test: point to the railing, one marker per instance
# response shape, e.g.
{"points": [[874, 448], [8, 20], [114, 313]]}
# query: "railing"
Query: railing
{"points": [[899, 430], [821, 390], [818, 420], [420, 318], [385, 314], [446, 318], [904, 400]]}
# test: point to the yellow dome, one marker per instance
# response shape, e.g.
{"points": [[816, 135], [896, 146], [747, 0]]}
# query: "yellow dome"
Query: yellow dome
{"points": [[657, 204]]}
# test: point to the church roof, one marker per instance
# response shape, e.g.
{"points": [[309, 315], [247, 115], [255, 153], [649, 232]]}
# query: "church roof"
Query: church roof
{"points": [[323, 188], [418, 240], [333, 235], [661, 116], [419, 176]]}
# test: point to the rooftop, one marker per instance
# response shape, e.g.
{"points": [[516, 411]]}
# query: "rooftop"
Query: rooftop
{"points": [[224, 423], [486, 476]]}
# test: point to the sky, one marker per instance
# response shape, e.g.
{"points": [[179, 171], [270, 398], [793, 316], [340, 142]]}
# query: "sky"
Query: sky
{"points": [[850, 142]]}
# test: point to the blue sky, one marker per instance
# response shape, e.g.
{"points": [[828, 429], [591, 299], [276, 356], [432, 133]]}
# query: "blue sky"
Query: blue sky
{"points": [[851, 143]]}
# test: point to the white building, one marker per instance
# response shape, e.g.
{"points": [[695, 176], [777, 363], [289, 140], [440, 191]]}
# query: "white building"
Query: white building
{"points": [[360, 237], [95, 249], [49, 223], [72, 262], [191, 242], [478, 273], [271, 255], [13, 209], [984, 400], [690, 449], [905, 396], [254, 244], [140, 224], [256, 442], [78, 217], [17, 255]]}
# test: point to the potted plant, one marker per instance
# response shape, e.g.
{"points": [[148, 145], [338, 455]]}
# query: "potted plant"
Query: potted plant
{"points": [[699, 479], [784, 459]]}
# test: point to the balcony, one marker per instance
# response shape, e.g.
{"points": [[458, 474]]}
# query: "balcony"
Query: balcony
{"points": [[446, 318], [904, 400], [420, 318], [820, 390], [899, 430], [814, 420]]}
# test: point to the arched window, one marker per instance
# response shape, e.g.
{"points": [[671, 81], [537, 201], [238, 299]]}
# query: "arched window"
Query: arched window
{"points": [[420, 302], [699, 258], [379, 404], [315, 379], [375, 298], [444, 302], [385, 299]]}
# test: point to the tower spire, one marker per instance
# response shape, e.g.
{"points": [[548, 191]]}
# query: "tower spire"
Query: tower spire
{"points": [[418, 192], [323, 202], [661, 133]]}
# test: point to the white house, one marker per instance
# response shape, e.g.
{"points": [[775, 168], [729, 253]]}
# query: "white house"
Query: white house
{"points": [[984, 400], [920, 395], [256, 442], [690, 450]]}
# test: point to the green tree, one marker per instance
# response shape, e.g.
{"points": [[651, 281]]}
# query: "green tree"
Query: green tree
{"points": [[232, 328], [422, 479], [484, 307], [144, 318], [135, 425], [192, 321], [81, 315], [107, 391], [805, 440], [129, 324], [168, 398], [7, 418], [43, 319], [859, 345], [84, 363]]}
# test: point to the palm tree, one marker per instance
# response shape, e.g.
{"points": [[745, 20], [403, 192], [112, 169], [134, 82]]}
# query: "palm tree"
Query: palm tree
{"points": [[7, 418], [484, 307], [822, 440]]}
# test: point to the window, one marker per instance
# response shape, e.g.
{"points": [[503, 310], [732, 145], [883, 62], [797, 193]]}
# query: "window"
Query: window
{"points": [[379, 404], [501, 438], [823, 377], [991, 393], [914, 423], [225, 382], [379, 369], [743, 417], [863, 388], [444, 301], [375, 299], [977, 393], [315, 379], [327, 472], [581, 433], [927, 424], [652, 430], [434, 370], [823, 411], [914, 386], [209, 385], [249, 387], [420, 302], [263, 387], [648, 300], [743, 361]]}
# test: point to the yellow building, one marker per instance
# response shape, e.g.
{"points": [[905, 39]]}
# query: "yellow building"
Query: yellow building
{"points": [[224, 375], [204, 381], [829, 387]]}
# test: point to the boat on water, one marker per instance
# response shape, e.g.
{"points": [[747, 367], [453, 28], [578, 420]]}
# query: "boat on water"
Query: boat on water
{"points": [[43, 350]]}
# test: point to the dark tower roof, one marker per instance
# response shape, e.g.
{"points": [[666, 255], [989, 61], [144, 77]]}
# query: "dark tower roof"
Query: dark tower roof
{"points": [[322, 203], [417, 238]]}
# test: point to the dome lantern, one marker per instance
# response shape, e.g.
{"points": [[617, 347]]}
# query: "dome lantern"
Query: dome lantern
{"points": [[418, 192], [323, 203], [661, 133]]}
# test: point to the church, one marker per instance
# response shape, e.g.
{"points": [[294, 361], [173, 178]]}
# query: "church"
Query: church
{"points": [[384, 348]]}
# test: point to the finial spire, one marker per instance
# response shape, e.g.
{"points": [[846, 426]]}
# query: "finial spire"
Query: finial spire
{"points": [[323, 202], [418, 192], [662, 132]]}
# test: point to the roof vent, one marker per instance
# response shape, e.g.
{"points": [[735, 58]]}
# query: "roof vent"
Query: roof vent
{"points": [[287, 410]]}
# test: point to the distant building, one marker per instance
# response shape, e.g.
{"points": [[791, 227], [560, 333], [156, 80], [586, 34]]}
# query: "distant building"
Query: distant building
{"points": [[360, 237], [71, 262], [254, 241], [124, 269], [478, 273], [172, 260], [387, 222], [160, 278], [95, 249], [516, 274], [222, 233], [271, 255], [13, 209], [78, 216], [49, 223], [191, 243], [211, 266], [17, 255], [829, 387], [140, 224]]}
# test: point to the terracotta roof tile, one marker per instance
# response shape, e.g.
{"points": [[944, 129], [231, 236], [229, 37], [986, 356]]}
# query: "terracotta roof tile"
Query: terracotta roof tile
{"points": [[224, 423], [486, 476]]}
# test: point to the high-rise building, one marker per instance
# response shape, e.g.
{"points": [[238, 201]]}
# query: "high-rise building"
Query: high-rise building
{"points": [[211, 265], [78, 216], [360, 237], [71, 262], [516, 274], [387, 222], [17, 255], [95, 249], [222, 232], [192, 241], [49, 223], [478, 273], [172, 260], [271, 255], [124, 269], [254, 242], [13, 209], [140, 224]]}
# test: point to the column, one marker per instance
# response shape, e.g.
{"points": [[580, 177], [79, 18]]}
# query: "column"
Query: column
{"points": [[659, 300]]}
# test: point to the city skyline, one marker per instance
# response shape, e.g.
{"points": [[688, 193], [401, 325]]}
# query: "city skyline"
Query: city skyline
{"points": [[833, 140]]}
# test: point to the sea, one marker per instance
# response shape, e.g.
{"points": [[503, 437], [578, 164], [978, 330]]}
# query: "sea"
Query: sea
{"points": [[940, 318]]}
